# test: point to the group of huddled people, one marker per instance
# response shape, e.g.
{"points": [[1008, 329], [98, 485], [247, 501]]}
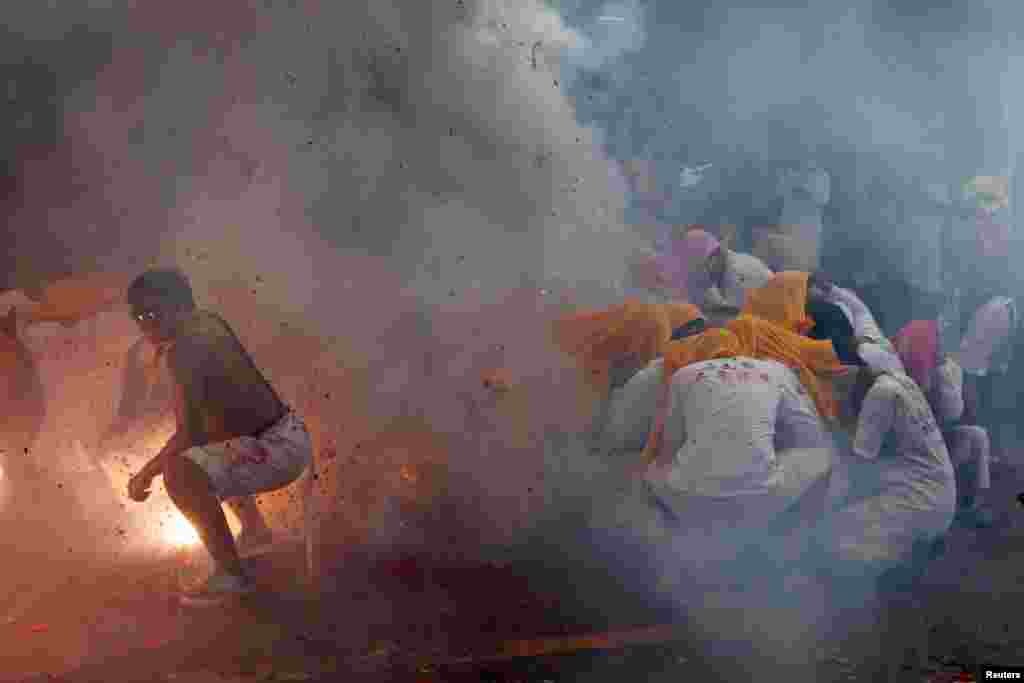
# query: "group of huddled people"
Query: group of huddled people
{"points": [[765, 401]]}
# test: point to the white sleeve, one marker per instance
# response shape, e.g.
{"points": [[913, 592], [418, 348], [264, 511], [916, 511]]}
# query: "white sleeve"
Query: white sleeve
{"points": [[949, 393], [875, 420], [746, 271], [675, 420], [631, 410], [743, 272], [864, 323], [798, 422], [714, 298]]}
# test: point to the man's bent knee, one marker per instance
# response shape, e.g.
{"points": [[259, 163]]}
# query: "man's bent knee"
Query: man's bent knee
{"points": [[172, 474]]}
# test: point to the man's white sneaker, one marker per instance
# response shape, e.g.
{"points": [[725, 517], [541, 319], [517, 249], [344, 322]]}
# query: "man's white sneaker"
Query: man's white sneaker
{"points": [[218, 589]]}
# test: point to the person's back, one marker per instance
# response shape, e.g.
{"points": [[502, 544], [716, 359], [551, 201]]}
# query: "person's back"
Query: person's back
{"points": [[234, 396], [729, 409], [22, 393], [745, 457], [24, 410], [987, 342], [916, 494], [919, 464]]}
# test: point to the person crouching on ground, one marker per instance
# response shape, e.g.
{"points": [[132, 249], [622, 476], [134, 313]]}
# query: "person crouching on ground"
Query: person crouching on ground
{"points": [[941, 380], [235, 437]]}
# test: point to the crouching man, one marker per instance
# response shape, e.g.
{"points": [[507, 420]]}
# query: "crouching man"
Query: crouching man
{"points": [[235, 437]]}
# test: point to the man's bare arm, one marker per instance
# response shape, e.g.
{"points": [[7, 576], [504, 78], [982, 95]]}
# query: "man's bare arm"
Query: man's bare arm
{"points": [[185, 436], [174, 446]]}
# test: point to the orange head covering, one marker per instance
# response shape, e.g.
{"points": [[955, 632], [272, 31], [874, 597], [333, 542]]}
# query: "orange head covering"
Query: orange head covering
{"points": [[601, 338], [808, 357], [783, 301], [754, 338]]}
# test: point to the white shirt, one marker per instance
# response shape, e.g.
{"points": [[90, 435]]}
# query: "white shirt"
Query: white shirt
{"points": [[920, 466], [984, 348], [948, 393], [730, 416], [742, 272]]}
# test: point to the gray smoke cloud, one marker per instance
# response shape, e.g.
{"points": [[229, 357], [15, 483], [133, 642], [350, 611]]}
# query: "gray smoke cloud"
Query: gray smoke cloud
{"points": [[889, 98], [617, 29], [405, 183]]}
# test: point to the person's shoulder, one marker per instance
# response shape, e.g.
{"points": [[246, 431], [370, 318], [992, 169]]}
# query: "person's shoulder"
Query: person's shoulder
{"points": [[890, 386], [739, 259], [200, 330], [951, 366], [750, 266], [888, 380], [203, 323], [773, 368], [843, 294]]}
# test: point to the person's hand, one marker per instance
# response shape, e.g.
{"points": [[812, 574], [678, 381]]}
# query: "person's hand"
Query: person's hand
{"points": [[9, 323], [715, 267], [647, 273], [138, 487], [638, 469], [819, 286], [623, 370], [657, 471], [726, 310]]}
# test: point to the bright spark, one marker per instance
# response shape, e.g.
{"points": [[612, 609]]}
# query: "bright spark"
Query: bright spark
{"points": [[179, 533]]}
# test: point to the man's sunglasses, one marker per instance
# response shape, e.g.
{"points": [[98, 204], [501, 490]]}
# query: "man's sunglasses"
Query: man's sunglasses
{"points": [[146, 316]]}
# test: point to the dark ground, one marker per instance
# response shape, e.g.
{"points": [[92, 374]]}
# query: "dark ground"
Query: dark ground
{"points": [[401, 619]]}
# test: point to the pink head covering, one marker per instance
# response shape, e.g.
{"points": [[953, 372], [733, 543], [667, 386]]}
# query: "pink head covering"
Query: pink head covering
{"points": [[683, 262], [918, 346]]}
